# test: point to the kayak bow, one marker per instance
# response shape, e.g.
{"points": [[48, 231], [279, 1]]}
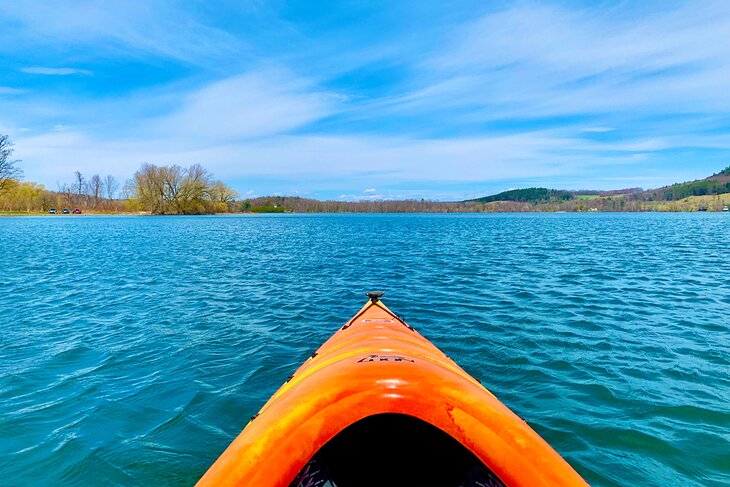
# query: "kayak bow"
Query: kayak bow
{"points": [[378, 404]]}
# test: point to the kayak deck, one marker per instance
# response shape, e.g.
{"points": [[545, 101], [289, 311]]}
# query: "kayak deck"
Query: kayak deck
{"points": [[377, 394]]}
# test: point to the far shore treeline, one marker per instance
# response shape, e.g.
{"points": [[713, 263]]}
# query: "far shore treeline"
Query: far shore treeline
{"points": [[176, 190]]}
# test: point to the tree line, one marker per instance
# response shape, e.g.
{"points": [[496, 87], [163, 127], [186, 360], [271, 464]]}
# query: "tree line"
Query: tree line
{"points": [[93, 193], [296, 204], [716, 184], [162, 190]]}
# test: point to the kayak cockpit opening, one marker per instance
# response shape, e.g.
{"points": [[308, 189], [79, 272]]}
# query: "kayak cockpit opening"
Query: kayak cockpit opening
{"points": [[394, 450]]}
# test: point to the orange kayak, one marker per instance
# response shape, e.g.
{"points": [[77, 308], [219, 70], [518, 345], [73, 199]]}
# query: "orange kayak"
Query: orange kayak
{"points": [[378, 404]]}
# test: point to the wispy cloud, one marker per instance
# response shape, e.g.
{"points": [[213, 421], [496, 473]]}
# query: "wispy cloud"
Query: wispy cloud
{"points": [[524, 91], [357, 159], [57, 71], [597, 130], [6, 90], [254, 104], [534, 60], [124, 29]]}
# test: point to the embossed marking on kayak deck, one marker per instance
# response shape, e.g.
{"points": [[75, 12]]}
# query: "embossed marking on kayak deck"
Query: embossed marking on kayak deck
{"points": [[385, 358]]}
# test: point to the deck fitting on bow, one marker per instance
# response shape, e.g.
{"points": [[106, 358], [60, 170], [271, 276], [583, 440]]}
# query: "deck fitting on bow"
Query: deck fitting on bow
{"points": [[375, 296]]}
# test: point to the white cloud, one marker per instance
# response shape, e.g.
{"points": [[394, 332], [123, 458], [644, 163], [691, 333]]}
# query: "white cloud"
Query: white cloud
{"points": [[533, 61], [56, 71], [6, 90], [208, 126], [355, 158], [119, 28], [369, 190], [597, 130], [250, 105], [347, 161]]}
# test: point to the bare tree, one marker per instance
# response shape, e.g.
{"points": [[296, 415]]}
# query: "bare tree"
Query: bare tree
{"points": [[79, 185], [193, 190], [173, 189], [96, 187], [173, 179], [9, 170], [219, 192], [66, 192], [129, 190], [110, 186]]}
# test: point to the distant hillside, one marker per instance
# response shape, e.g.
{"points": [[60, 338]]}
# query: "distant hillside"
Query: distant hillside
{"points": [[528, 195], [544, 195], [608, 192], [724, 174], [712, 194], [718, 183]]}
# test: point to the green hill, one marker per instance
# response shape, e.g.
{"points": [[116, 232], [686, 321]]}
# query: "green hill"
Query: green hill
{"points": [[529, 195], [718, 183]]}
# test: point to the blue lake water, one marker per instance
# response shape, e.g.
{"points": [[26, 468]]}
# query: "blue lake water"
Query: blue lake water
{"points": [[134, 349]]}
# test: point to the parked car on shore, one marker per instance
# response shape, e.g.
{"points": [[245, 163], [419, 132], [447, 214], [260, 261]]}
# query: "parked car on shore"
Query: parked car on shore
{"points": [[52, 211], [76, 211], [65, 211]]}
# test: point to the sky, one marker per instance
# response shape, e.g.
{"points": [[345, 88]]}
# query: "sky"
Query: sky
{"points": [[367, 99]]}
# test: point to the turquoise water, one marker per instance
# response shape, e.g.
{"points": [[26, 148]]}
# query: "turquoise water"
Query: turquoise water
{"points": [[134, 349]]}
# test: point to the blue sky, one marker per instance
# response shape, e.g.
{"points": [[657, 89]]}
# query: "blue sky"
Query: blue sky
{"points": [[370, 100]]}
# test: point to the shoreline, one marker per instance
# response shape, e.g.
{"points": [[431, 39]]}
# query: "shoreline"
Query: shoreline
{"points": [[40, 214]]}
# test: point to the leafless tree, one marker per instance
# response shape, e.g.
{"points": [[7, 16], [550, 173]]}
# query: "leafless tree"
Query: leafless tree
{"points": [[66, 192], [96, 189], [129, 190], [110, 186], [9, 170], [79, 185], [193, 190], [221, 193]]}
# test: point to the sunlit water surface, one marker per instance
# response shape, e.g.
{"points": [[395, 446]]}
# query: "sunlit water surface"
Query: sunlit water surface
{"points": [[134, 349]]}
